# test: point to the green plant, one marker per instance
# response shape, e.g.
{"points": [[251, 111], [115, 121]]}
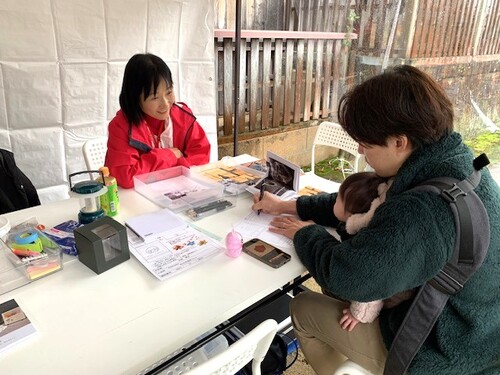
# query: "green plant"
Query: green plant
{"points": [[330, 168], [488, 143], [350, 19]]}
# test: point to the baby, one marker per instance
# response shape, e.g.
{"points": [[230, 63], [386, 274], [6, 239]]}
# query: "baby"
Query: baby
{"points": [[358, 198]]}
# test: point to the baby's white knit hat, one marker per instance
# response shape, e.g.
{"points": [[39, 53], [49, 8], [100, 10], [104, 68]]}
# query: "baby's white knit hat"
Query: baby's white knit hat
{"points": [[357, 221]]}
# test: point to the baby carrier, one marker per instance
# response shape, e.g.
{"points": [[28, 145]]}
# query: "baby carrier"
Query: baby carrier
{"points": [[471, 246]]}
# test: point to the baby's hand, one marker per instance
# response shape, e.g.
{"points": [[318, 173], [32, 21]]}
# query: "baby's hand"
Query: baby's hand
{"points": [[348, 321]]}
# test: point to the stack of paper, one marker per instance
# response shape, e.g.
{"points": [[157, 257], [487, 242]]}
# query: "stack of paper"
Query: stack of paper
{"points": [[149, 226], [167, 245]]}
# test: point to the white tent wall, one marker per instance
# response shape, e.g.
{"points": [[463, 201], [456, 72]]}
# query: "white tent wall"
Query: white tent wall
{"points": [[61, 69]]}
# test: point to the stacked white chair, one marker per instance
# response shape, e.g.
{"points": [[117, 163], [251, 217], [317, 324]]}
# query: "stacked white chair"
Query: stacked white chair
{"points": [[94, 152], [332, 134], [251, 347], [351, 368]]}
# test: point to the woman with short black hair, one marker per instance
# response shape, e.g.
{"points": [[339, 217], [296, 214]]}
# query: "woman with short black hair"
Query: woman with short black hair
{"points": [[152, 131]]}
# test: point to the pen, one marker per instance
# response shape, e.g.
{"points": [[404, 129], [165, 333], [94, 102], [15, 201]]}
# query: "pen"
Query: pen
{"points": [[219, 205], [201, 211], [261, 196]]}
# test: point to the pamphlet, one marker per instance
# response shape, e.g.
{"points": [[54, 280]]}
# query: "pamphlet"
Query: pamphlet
{"points": [[235, 175], [15, 326], [282, 178], [150, 226], [172, 245], [235, 179], [258, 165], [309, 191]]}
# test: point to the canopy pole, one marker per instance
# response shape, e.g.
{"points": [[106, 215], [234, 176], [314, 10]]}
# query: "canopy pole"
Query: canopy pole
{"points": [[237, 77]]}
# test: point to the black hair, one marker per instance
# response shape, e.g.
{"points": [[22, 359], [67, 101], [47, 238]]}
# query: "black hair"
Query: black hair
{"points": [[401, 101], [359, 190], [142, 73]]}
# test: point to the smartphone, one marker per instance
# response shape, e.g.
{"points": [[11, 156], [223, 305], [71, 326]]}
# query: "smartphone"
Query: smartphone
{"points": [[266, 253]]}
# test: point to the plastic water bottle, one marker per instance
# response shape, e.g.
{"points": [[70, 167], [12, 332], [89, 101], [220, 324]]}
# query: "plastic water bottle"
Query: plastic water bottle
{"points": [[109, 201]]}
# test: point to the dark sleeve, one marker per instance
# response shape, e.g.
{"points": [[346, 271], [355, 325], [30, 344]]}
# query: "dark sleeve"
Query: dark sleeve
{"points": [[29, 189], [406, 243], [16, 189], [318, 208]]}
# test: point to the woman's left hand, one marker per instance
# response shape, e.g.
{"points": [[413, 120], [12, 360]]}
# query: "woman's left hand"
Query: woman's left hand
{"points": [[288, 225]]}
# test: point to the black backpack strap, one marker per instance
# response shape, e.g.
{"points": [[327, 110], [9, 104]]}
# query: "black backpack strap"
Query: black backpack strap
{"points": [[471, 246]]}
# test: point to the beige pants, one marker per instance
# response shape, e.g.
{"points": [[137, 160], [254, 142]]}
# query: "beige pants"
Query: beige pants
{"points": [[325, 344]]}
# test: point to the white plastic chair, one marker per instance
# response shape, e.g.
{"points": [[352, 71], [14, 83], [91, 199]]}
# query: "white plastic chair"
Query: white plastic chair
{"points": [[351, 368], [332, 134], [94, 152], [253, 346]]}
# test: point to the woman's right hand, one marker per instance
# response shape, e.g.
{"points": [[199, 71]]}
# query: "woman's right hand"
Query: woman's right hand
{"points": [[177, 152]]}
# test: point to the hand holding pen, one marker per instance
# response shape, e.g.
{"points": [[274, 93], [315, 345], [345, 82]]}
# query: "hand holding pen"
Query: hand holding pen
{"points": [[272, 204], [261, 195]]}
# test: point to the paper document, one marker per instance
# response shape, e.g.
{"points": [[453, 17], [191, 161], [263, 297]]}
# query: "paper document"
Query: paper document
{"points": [[15, 326], [282, 178], [172, 252], [257, 226], [149, 226]]}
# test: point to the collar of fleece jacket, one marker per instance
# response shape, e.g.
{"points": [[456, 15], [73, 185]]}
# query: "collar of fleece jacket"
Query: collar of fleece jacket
{"points": [[449, 158]]}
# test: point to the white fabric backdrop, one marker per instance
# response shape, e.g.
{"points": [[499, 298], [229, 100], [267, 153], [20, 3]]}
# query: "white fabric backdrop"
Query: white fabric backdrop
{"points": [[61, 68]]}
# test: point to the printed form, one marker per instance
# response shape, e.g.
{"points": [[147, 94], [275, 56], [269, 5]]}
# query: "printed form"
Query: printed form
{"points": [[169, 252]]}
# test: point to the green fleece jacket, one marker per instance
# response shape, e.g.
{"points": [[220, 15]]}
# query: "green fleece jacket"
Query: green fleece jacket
{"points": [[408, 241]]}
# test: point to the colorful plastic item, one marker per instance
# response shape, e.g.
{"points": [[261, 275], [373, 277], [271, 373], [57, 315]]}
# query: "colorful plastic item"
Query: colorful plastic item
{"points": [[234, 244], [38, 258], [28, 240]]}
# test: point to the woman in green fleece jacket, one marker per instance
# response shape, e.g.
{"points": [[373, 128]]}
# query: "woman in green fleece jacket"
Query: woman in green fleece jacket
{"points": [[403, 122]]}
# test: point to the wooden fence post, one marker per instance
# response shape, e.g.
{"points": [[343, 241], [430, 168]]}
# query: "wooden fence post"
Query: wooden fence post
{"points": [[479, 29], [410, 19]]}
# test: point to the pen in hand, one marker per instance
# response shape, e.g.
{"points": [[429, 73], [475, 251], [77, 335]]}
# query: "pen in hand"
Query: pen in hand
{"points": [[261, 196]]}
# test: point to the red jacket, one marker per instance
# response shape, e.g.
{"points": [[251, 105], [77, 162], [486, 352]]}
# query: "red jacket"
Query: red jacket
{"points": [[131, 149]]}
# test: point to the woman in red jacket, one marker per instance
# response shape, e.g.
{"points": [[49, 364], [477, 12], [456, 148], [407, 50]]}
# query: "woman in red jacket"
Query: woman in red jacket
{"points": [[152, 131]]}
